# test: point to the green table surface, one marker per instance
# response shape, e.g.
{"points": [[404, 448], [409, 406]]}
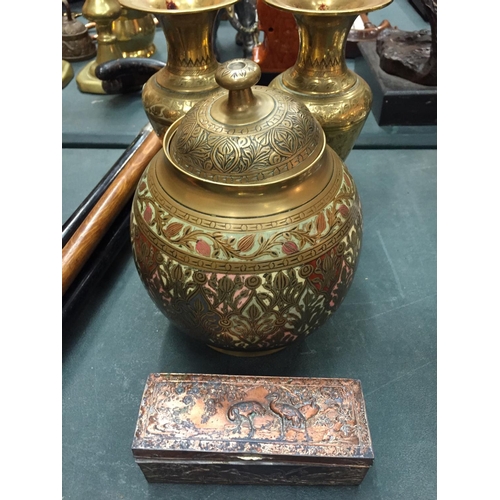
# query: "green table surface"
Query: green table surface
{"points": [[113, 121], [383, 334]]}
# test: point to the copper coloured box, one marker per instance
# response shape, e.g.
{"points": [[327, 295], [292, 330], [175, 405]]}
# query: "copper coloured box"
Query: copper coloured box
{"points": [[222, 429]]}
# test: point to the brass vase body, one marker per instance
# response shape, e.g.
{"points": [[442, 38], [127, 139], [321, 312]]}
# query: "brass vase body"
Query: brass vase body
{"points": [[135, 32], [246, 228], [189, 74], [337, 97]]}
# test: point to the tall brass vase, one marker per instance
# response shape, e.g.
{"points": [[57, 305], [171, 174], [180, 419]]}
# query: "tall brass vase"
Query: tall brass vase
{"points": [[337, 97], [189, 74]]}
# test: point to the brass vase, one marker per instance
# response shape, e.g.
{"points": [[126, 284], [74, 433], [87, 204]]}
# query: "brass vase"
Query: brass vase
{"points": [[337, 97], [246, 228], [189, 74], [135, 33]]}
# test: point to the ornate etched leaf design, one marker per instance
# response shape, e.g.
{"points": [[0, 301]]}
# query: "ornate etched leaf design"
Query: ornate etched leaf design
{"points": [[290, 247], [203, 248], [148, 214], [253, 312], [246, 243], [173, 229], [343, 210], [225, 155], [284, 141], [320, 223]]}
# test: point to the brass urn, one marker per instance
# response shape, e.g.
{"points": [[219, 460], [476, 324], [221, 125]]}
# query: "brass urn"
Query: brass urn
{"points": [[337, 97], [246, 228], [189, 74]]}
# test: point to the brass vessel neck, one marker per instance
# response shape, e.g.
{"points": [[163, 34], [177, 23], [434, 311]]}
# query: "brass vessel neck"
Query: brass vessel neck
{"points": [[189, 43], [321, 57]]}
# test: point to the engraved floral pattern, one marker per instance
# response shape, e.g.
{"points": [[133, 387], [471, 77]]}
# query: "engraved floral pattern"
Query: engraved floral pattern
{"points": [[248, 312], [247, 285], [254, 246], [248, 154]]}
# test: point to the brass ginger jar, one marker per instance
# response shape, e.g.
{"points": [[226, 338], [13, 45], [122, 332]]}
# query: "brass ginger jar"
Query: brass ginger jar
{"points": [[246, 228]]}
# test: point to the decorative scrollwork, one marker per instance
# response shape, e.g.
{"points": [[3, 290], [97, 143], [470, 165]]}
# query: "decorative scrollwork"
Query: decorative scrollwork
{"points": [[250, 153]]}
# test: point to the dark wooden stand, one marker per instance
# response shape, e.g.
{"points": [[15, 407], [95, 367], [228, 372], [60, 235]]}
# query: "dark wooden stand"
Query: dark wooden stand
{"points": [[396, 101]]}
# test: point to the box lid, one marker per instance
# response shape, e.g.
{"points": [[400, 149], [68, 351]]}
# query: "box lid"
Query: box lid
{"points": [[245, 418]]}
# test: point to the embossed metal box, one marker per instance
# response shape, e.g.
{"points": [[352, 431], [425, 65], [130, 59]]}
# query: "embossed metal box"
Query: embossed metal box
{"points": [[223, 429]]}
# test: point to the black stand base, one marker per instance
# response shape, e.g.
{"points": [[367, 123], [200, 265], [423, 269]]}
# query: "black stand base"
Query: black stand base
{"points": [[396, 101]]}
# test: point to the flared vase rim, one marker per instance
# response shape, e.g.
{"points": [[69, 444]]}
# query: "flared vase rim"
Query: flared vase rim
{"points": [[359, 7], [143, 7]]}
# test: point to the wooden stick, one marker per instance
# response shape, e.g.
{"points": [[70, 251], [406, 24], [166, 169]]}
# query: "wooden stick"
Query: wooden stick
{"points": [[111, 245], [83, 242], [78, 216]]}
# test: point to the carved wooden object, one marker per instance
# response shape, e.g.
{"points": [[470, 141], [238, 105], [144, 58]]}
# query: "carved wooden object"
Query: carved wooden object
{"points": [[225, 429]]}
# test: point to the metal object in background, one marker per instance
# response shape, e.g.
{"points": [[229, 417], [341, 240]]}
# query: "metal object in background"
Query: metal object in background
{"points": [[135, 32], [244, 19], [225, 429], [189, 74], [368, 32], [77, 45], [103, 13], [67, 73], [337, 97]]}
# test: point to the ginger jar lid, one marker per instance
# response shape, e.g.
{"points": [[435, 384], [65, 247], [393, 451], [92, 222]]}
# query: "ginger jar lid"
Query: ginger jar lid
{"points": [[246, 134]]}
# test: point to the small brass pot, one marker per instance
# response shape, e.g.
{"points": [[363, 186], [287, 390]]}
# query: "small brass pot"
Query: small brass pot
{"points": [[246, 228], [76, 42]]}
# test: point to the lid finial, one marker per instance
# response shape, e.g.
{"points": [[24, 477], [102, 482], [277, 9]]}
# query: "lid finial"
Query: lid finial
{"points": [[238, 76]]}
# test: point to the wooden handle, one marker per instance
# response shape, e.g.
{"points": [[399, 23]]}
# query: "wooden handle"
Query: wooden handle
{"points": [[83, 242]]}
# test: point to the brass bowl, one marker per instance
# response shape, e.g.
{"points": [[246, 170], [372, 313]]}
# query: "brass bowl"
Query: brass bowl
{"points": [[135, 33], [246, 228]]}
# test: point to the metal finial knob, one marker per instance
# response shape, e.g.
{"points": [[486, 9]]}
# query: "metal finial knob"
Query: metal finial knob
{"points": [[238, 74]]}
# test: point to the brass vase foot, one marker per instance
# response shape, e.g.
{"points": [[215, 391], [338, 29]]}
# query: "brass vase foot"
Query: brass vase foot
{"points": [[245, 354], [67, 73], [87, 81]]}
